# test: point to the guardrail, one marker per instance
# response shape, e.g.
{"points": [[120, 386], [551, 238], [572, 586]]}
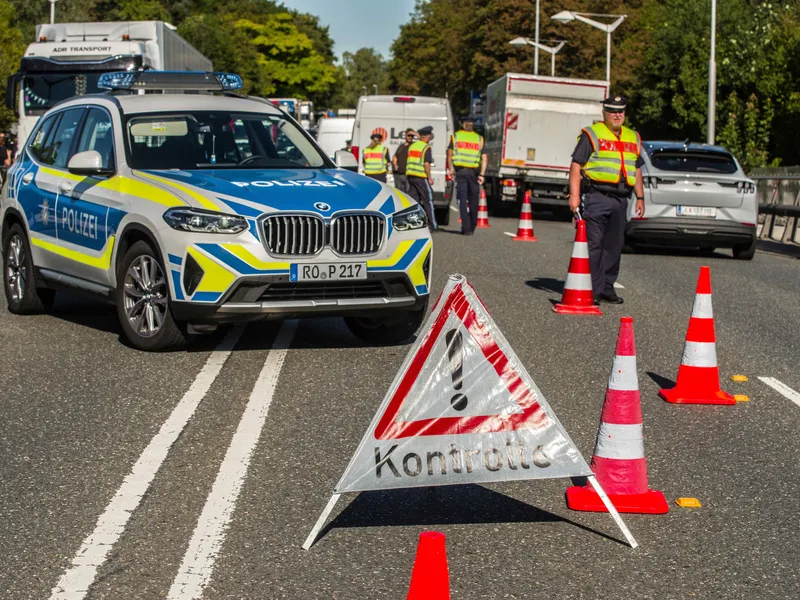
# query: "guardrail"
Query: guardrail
{"points": [[778, 198]]}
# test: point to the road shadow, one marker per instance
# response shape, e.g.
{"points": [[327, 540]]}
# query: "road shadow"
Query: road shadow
{"points": [[445, 505], [653, 250], [85, 312], [661, 382], [546, 284]]}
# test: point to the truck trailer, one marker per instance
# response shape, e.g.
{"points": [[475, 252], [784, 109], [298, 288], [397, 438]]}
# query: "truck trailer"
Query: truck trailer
{"points": [[532, 124], [67, 60]]}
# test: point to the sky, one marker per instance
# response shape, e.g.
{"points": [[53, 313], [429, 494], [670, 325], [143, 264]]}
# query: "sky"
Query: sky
{"points": [[358, 24]]}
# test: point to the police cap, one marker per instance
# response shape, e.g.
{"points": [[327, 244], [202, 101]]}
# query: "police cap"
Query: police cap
{"points": [[427, 130], [615, 104], [465, 118]]}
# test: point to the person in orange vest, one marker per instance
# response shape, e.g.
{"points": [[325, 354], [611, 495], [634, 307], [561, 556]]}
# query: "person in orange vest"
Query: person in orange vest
{"points": [[607, 162], [376, 158], [466, 162]]}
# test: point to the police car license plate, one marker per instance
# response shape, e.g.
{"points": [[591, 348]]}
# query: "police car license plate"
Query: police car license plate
{"points": [[327, 271], [697, 211]]}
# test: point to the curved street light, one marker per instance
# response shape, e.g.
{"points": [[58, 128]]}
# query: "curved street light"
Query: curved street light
{"points": [[565, 16], [523, 41]]}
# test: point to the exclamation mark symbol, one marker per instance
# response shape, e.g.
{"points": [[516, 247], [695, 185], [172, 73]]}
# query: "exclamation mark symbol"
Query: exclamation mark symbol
{"points": [[455, 355]]}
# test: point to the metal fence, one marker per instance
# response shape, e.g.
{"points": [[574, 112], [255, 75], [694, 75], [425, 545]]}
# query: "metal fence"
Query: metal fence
{"points": [[778, 195]]}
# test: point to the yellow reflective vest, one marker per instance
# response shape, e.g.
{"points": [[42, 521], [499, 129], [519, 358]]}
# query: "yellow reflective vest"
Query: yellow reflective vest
{"points": [[375, 160], [613, 157], [467, 146], [415, 165]]}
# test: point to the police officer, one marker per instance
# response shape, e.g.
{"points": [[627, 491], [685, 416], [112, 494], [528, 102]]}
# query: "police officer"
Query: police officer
{"points": [[466, 160], [399, 160], [607, 160], [376, 158], [418, 172]]}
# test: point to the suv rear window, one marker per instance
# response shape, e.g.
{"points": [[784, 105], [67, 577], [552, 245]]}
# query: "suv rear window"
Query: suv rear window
{"points": [[693, 162]]}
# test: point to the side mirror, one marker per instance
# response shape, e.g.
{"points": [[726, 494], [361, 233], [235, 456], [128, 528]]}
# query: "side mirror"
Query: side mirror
{"points": [[11, 93], [345, 160], [88, 163]]}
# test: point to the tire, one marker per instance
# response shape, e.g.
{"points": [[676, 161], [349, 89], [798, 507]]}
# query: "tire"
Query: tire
{"points": [[745, 251], [388, 331], [23, 297], [442, 215], [629, 246], [142, 299]]}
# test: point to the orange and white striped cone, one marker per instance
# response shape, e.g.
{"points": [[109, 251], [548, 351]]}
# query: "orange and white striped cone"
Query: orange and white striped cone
{"points": [[578, 298], [618, 461], [698, 375], [525, 229], [483, 212]]}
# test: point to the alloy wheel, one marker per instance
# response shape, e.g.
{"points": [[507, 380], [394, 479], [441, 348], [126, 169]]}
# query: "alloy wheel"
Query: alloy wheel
{"points": [[145, 296], [16, 271]]}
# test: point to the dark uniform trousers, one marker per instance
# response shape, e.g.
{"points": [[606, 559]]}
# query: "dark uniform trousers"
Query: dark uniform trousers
{"points": [[401, 182], [378, 177], [605, 216], [420, 190], [468, 193]]}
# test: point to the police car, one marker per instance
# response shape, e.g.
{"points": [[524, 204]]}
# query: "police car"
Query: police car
{"points": [[192, 210]]}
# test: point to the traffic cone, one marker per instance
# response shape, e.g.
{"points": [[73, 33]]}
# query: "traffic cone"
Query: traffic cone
{"points": [[430, 579], [525, 229], [483, 212], [618, 461], [578, 298], [698, 375]]}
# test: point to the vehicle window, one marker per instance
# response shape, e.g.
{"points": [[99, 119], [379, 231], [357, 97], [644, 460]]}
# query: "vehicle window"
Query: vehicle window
{"points": [[219, 140], [40, 137], [97, 135], [57, 148], [41, 92], [697, 162]]}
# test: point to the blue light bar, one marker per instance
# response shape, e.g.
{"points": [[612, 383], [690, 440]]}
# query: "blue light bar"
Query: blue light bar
{"points": [[170, 80]]}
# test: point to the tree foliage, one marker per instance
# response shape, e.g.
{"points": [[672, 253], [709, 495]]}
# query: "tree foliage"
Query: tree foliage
{"points": [[11, 48], [361, 70]]}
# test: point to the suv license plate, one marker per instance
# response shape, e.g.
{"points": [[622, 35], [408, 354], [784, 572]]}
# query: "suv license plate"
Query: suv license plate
{"points": [[327, 271], [697, 211]]}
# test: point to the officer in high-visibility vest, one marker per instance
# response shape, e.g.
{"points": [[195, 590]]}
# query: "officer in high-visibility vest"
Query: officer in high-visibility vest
{"points": [[466, 161], [376, 158], [608, 162], [418, 172]]}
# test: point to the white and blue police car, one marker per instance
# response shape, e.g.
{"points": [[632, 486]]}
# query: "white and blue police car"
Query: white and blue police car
{"points": [[189, 210]]}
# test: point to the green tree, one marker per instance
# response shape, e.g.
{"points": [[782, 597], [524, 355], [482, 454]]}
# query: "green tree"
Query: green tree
{"points": [[12, 47], [361, 70]]}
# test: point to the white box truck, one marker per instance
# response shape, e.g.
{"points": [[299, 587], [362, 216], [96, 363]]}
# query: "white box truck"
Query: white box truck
{"points": [[67, 60], [391, 116], [532, 124]]}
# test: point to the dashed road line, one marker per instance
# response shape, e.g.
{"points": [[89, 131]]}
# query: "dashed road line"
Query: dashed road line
{"points": [[75, 581], [510, 234], [198, 562], [453, 208], [782, 389]]}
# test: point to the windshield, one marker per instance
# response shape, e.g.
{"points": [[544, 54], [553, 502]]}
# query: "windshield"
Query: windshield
{"points": [[219, 140], [40, 92], [693, 162]]}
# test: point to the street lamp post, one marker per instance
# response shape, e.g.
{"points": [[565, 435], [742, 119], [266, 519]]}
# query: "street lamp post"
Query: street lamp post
{"points": [[536, 45], [565, 16], [521, 41], [712, 76], [375, 87], [53, 11]]}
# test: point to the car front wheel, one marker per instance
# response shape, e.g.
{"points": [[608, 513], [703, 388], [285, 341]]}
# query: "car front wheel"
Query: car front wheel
{"points": [[23, 297], [142, 300], [389, 330]]}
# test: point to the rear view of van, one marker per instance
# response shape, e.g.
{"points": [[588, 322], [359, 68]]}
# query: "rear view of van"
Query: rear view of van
{"points": [[395, 114], [333, 133]]}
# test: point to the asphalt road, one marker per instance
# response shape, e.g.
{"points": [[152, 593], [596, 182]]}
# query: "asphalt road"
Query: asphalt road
{"points": [[79, 409]]}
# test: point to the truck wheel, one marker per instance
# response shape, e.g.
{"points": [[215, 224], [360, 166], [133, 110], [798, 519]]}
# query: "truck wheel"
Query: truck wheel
{"points": [[387, 331], [442, 215], [23, 297], [745, 251], [142, 299]]}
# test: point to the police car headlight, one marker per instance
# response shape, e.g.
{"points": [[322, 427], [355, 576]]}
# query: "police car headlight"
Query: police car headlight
{"points": [[410, 218], [201, 221]]}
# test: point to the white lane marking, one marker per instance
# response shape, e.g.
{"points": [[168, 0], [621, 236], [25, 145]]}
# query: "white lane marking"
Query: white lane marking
{"points": [[510, 234], [782, 389], [198, 562], [619, 286], [76, 580], [454, 209]]}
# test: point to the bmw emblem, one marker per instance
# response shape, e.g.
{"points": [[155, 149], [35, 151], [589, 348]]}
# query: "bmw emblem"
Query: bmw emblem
{"points": [[321, 206]]}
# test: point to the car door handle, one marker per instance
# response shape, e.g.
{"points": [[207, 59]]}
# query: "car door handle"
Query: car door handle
{"points": [[65, 187], [27, 178]]}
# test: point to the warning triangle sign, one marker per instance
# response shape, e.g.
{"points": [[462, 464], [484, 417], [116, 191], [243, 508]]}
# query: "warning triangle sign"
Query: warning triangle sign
{"points": [[462, 409]]}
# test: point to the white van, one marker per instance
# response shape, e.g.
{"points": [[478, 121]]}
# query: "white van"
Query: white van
{"points": [[333, 133], [394, 114]]}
